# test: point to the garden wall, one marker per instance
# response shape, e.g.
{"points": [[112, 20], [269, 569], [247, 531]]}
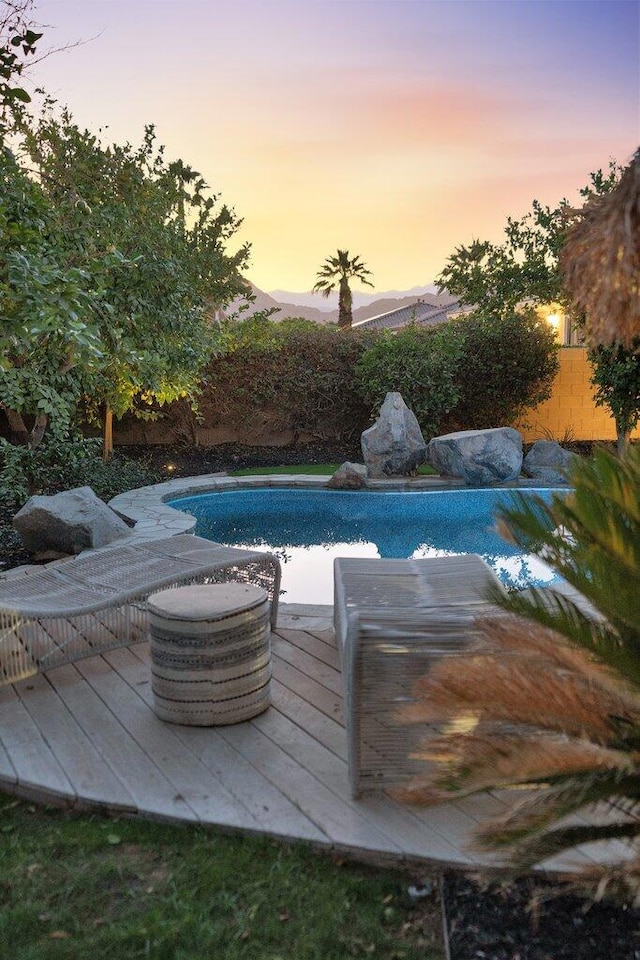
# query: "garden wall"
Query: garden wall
{"points": [[570, 413]]}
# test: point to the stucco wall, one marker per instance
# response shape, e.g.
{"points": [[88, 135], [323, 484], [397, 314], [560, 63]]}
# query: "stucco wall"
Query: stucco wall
{"points": [[570, 413]]}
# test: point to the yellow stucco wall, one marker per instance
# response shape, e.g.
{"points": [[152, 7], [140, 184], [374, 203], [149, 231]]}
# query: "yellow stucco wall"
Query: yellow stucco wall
{"points": [[570, 413]]}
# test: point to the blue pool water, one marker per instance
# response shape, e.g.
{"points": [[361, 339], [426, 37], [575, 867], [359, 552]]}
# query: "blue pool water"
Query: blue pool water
{"points": [[308, 528]]}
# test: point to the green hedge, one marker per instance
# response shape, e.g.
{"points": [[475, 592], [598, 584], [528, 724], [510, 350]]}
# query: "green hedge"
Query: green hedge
{"points": [[312, 382], [303, 376]]}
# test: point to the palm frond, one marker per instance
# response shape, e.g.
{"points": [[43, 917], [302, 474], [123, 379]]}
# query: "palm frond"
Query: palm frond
{"points": [[592, 537], [550, 703], [577, 794], [555, 611], [530, 677], [527, 851]]}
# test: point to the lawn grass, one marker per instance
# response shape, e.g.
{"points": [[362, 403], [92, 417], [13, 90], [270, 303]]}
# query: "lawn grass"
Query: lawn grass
{"points": [[82, 887], [312, 469]]}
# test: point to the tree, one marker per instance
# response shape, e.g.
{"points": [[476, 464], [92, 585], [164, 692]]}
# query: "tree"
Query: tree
{"points": [[147, 255], [17, 41], [337, 272], [499, 278], [552, 703], [616, 378], [50, 340]]}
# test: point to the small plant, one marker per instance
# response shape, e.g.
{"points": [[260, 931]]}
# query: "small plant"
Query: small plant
{"points": [[553, 703]]}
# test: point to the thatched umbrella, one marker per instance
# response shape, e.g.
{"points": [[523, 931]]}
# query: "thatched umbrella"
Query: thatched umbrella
{"points": [[600, 262]]}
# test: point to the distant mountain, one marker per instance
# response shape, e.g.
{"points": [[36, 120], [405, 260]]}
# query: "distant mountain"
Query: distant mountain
{"points": [[373, 305], [264, 301], [360, 298]]}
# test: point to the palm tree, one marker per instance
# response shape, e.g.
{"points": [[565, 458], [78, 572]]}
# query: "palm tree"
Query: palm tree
{"points": [[553, 703], [337, 272]]}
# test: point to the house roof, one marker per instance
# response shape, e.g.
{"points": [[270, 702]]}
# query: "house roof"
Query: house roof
{"points": [[420, 312]]}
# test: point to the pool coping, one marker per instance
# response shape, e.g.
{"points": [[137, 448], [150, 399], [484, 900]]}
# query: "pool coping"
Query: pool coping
{"points": [[154, 518]]}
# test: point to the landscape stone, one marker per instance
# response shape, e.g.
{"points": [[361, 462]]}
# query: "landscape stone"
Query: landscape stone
{"points": [[548, 461], [480, 457], [394, 445], [349, 476], [68, 522]]}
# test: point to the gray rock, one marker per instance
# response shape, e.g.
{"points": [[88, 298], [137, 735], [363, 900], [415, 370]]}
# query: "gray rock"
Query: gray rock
{"points": [[394, 445], [548, 461], [480, 457], [349, 476], [68, 522]]}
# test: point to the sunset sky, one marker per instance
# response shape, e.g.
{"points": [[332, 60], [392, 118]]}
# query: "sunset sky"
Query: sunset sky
{"points": [[396, 129]]}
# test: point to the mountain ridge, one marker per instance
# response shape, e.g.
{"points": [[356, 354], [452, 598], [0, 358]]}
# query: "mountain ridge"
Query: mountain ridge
{"points": [[373, 305], [361, 298]]}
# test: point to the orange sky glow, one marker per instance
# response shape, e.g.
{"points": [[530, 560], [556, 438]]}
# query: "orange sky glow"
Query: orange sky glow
{"points": [[397, 129]]}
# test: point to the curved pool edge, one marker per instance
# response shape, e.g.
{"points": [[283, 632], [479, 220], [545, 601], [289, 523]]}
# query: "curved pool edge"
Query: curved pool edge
{"points": [[154, 518]]}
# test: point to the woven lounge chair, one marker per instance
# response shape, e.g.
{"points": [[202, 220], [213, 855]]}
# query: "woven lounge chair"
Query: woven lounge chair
{"points": [[85, 605], [393, 619]]}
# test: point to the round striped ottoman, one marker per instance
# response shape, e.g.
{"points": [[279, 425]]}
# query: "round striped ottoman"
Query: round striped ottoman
{"points": [[210, 653]]}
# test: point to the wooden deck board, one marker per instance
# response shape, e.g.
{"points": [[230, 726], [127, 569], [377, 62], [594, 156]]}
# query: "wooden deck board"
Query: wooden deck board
{"points": [[317, 648], [88, 733], [192, 782], [96, 702], [91, 778], [33, 763], [323, 674], [272, 809], [309, 689]]}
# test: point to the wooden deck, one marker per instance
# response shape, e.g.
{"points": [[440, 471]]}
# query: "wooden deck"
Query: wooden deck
{"points": [[87, 735]]}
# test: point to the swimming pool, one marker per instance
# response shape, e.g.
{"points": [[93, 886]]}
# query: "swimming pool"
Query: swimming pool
{"points": [[306, 529]]}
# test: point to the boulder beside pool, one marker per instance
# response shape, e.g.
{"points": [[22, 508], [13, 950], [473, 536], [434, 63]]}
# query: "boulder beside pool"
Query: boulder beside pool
{"points": [[349, 476], [480, 457], [394, 445], [549, 462], [68, 522]]}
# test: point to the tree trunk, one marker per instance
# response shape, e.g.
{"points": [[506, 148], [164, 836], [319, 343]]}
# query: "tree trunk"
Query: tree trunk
{"points": [[107, 443], [345, 313], [38, 430], [20, 435], [17, 426], [622, 443]]}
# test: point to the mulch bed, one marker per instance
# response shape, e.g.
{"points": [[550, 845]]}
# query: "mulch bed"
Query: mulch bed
{"points": [[523, 922]]}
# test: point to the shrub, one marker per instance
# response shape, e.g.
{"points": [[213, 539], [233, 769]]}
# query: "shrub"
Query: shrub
{"points": [[61, 465], [555, 694], [303, 377], [421, 363], [507, 365]]}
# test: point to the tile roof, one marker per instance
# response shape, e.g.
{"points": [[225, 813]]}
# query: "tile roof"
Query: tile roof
{"points": [[424, 314]]}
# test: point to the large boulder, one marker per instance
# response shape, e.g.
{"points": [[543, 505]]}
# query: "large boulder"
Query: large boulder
{"points": [[349, 476], [480, 457], [394, 445], [548, 461], [68, 522]]}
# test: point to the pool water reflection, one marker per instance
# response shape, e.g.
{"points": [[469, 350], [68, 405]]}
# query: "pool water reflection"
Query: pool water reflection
{"points": [[308, 528]]}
